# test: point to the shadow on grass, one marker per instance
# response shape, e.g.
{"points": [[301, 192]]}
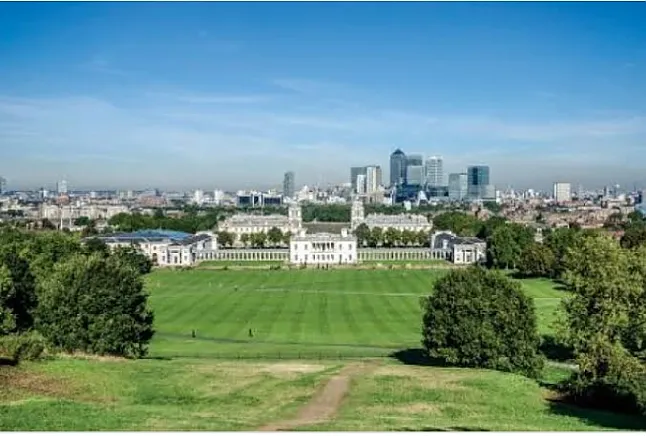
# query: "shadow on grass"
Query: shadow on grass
{"points": [[416, 357], [442, 429], [156, 358], [7, 362], [597, 417], [553, 350]]}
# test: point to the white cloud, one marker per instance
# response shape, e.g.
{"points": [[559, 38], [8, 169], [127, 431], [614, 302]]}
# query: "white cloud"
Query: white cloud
{"points": [[186, 138]]}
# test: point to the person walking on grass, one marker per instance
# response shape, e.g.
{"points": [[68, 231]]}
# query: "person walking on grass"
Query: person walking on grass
{"points": [[250, 333]]}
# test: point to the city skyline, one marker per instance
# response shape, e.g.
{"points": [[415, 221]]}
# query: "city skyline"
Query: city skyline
{"points": [[180, 96]]}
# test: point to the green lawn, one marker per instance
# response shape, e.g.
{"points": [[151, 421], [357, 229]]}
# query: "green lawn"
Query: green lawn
{"points": [[299, 313], [248, 263], [323, 317], [153, 395], [212, 395]]}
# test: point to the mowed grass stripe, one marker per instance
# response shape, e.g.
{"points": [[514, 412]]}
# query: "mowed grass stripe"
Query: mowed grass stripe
{"points": [[297, 311]]}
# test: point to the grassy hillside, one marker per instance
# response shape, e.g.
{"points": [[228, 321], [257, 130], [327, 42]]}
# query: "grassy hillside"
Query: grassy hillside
{"points": [[206, 394]]}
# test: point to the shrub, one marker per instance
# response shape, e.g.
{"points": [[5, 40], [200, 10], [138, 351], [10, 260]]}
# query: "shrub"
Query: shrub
{"points": [[481, 318], [18, 348]]}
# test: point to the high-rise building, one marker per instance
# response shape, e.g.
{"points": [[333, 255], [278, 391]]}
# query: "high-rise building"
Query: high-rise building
{"points": [[434, 172], [373, 178], [477, 179], [415, 175], [354, 172], [562, 192], [61, 187], [458, 186], [397, 168], [289, 184], [361, 184], [3, 183], [414, 160]]}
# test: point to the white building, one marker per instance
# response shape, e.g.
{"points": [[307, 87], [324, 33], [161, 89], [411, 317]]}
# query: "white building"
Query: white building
{"points": [[240, 224], [457, 249], [323, 249], [373, 179], [361, 184], [411, 222], [562, 192], [61, 187], [167, 248]]}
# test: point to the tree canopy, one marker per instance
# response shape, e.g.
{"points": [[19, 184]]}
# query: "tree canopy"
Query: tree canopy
{"points": [[481, 318]]}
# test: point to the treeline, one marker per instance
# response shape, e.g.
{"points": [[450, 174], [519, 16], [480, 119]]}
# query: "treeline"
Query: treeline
{"points": [[481, 318], [59, 294]]}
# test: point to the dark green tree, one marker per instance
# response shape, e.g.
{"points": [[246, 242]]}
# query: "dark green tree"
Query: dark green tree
{"points": [[275, 236], [481, 318], [18, 298], [536, 260], [362, 232], [96, 305]]}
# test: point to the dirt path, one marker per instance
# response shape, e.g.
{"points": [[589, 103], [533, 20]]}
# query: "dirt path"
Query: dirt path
{"points": [[324, 404]]}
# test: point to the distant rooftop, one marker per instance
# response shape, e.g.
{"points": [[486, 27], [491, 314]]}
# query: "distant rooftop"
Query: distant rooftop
{"points": [[151, 235]]}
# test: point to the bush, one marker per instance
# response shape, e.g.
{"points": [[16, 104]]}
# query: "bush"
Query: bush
{"points": [[18, 348], [481, 318], [97, 306]]}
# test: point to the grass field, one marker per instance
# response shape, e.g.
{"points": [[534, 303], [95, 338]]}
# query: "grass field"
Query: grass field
{"points": [[300, 313], [323, 317], [209, 395]]}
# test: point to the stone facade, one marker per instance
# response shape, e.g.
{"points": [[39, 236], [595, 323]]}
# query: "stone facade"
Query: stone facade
{"points": [[240, 224], [458, 250], [167, 248], [323, 249], [411, 222]]}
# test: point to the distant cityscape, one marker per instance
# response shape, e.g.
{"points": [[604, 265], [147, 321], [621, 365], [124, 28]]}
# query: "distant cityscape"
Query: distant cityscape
{"points": [[413, 182]]}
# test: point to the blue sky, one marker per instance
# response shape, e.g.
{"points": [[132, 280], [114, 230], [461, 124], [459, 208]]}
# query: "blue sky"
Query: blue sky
{"points": [[226, 95]]}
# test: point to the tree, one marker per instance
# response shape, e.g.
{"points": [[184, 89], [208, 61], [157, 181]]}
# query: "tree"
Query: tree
{"points": [[287, 236], [362, 232], [502, 248], [602, 323], [614, 222], [422, 238], [245, 239], [407, 237], [18, 297], [634, 235], [89, 230], [559, 241], [376, 237], [133, 257], [226, 239], [95, 245], [481, 318], [82, 221], [457, 222], [275, 236], [96, 305], [391, 237], [536, 260], [258, 240]]}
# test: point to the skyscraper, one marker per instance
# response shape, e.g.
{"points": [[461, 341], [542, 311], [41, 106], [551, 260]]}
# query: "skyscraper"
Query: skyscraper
{"points": [[415, 175], [3, 183], [458, 184], [288, 184], [397, 168], [434, 172], [562, 192], [477, 180], [354, 172], [373, 178]]}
